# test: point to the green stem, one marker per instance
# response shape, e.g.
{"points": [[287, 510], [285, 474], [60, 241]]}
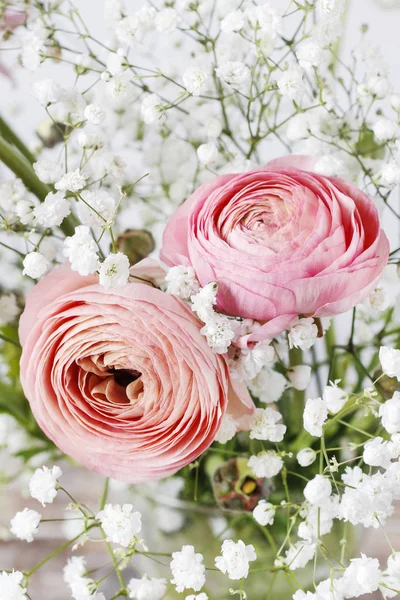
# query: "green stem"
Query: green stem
{"points": [[297, 397], [105, 493], [9, 134]]}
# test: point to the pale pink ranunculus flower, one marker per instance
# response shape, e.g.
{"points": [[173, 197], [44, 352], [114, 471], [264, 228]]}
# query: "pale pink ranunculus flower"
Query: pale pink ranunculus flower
{"points": [[121, 379], [281, 241]]}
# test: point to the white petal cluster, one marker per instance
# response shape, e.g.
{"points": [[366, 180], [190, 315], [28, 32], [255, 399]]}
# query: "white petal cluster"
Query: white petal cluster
{"points": [[334, 397], [303, 334], [265, 464], [96, 209], [73, 181], [147, 588], [181, 281], [264, 513], [235, 559], [188, 570], [53, 210], [218, 328], [268, 385], [390, 361], [114, 271], [11, 586], [81, 586], [389, 413], [25, 524], [81, 250], [361, 577], [35, 265], [8, 309], [120, 523], [48, 171], [265, 425], [195, 80], [318, 490], [44, 483], [233, 73], [306, 457], [300, 376], [314, 416], [227, 430], [299, 554]]}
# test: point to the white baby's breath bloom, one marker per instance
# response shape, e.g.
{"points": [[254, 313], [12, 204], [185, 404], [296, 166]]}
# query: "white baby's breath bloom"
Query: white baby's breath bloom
{"points": [[303, 333], [330, 7], [119, 88], [291, 83], [265, 425], [8, 309], [181, 281], [306, 457], [314, 416], [389, 413], [389, 175], [47, 91], [97, 209], [264, 513], [299, 376], [81, 250], [377, 453], [234, 21], [126, 29], [253, 360], [379, 299], [309, 54], [299, 555], [361, 577], [44, 483], [53, 210], [227, 430], [120, 523], [207, 154], [35, 265], [73, 181], [47, 170], [94, 114], [196, 80], [114, 270], [265, 464], [334, 397], [152, 110], [166, 20], [394, 102], [90, 141], [201, 596], [390, 361], [25, 524], [235, 559], [378, 86], [32, 49], [11, 585], [384, 130], [75, 569], [268, 385], [147, 588], [204, 300], [219, 333], [188, 570], [318, 490], [233, 73]]}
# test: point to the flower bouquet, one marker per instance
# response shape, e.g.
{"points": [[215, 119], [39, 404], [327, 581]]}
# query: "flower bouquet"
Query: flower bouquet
{"points": [[199, 310]]}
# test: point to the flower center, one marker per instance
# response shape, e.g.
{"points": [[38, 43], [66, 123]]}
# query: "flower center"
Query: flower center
{"points": [[125, 376]]}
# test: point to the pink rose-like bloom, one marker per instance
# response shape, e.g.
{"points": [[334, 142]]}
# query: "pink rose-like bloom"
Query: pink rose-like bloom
{"points": [[122, 380], [280, 241]]}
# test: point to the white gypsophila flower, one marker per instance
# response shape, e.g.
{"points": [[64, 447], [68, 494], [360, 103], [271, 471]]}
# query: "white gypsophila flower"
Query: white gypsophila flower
{"points": [[97, 208], [309, 54], [265, 425], [330, 7], [81, 250], [204, 300], [389, 175], [334, 397], [73, 181], [201, 596], [266, 18], [207, 154], [196, 80], [390, 361], [213, 128], [389, 413], [330, 589], [126, 29], [90, 141], [233, 73], [8, 309], [377, 453], [47, 91], [32, 49], [331, 165], [265, 464], [47, 170], [119, 88], [303, 333], [291, 83], [181, 281], [306, 456], [268, 385], [219, 333], [188, 570], [378, 86], [394, 102], [318, 490], [108, 164], [120, 523], [85, 588], [299, 376], [25, 524], [318, 520], [94, 114], [379, 299], [227, 429], [384, 130], [235, 559], [35, 265], [300, 595], [264, 513], [361, 577], [152, 110], [43, 484], [314, 416], [53, 210], [11, 192], [114, 270], [298, 555], [166, 20], [11, 586], [252, 360], [116, 62], [234, 21], [12, 435], [147, 588], [74, 570]]}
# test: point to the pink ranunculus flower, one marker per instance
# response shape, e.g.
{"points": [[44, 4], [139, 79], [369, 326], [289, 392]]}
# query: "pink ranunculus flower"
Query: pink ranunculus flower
{"points": [[280, 241], [122, 380]]}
